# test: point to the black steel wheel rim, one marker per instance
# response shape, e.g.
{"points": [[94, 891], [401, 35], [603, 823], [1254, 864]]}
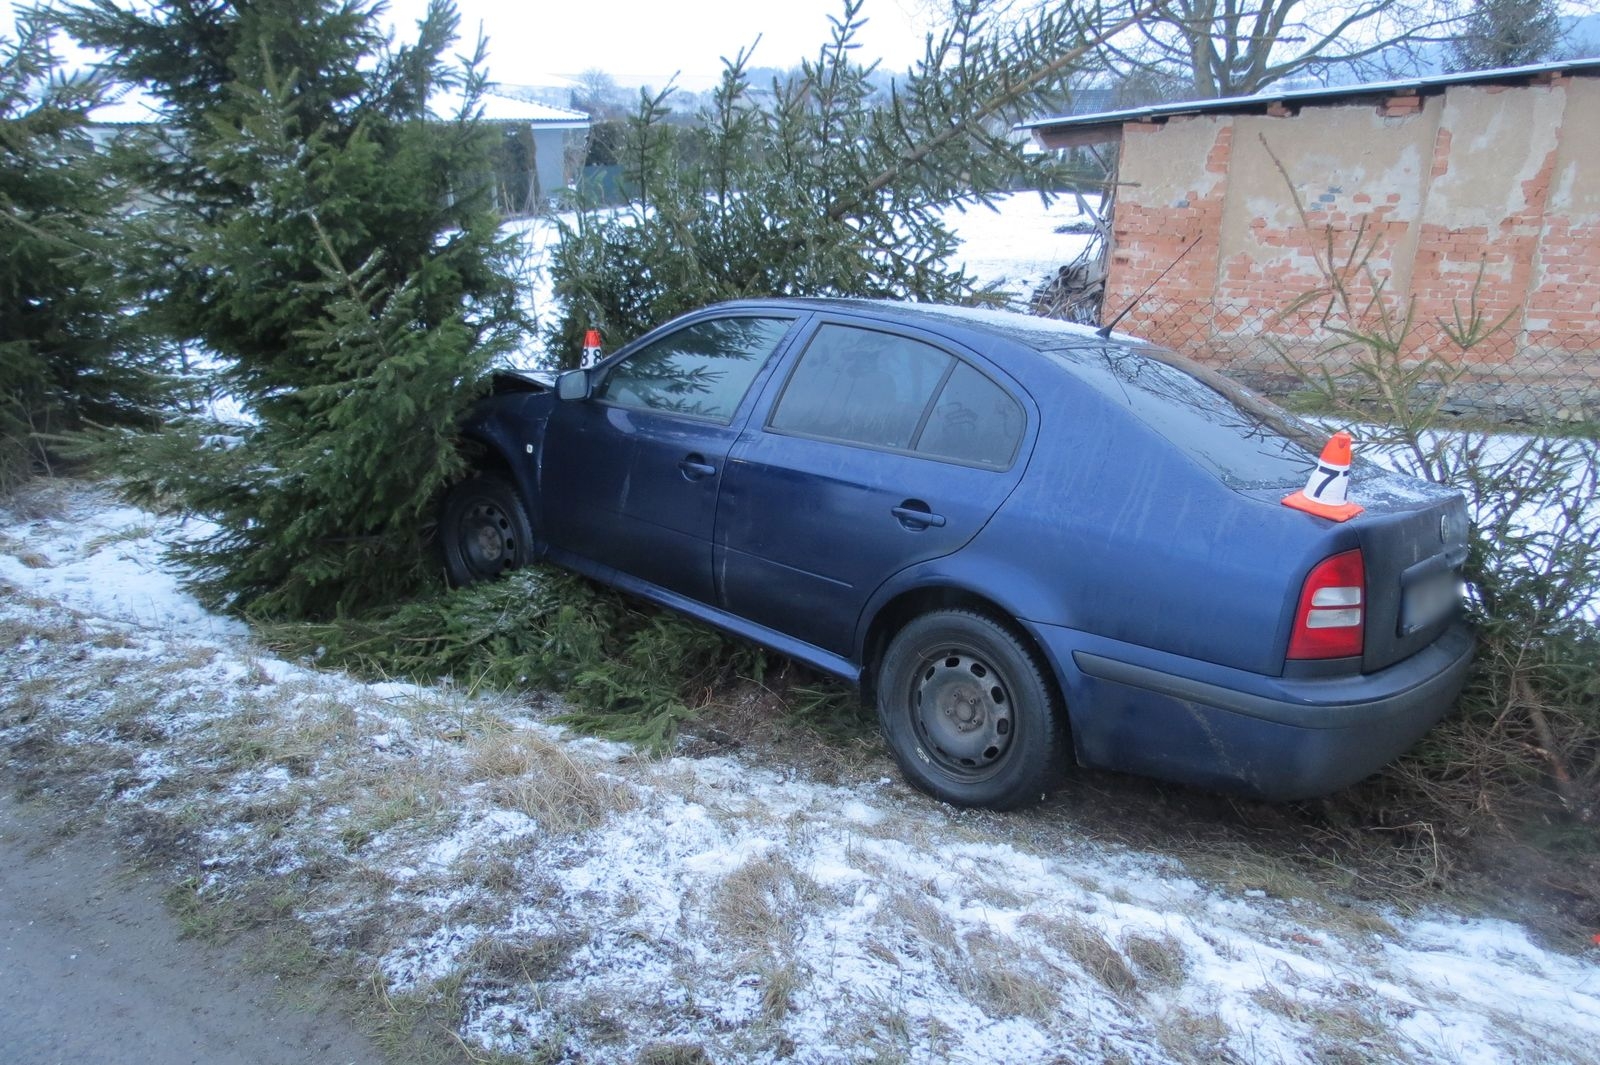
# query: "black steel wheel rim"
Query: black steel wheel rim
{"points": [[961, 709], [488, 539]]}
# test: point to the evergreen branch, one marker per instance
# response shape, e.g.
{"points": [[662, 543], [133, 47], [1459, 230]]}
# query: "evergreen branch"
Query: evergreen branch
{"points": [[10, 215], [988, 109]]}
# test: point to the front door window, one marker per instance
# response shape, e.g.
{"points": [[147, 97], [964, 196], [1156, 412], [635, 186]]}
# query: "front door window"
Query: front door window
{"points": [[700, 371]]}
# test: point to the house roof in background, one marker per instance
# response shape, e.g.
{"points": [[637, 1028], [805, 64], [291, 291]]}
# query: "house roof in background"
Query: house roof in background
{"points": [[1297, 98], [509, 110], [132, 106]]}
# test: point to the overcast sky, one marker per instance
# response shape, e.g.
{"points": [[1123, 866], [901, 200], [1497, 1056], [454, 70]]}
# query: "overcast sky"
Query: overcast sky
{"points": [[647, 41]]}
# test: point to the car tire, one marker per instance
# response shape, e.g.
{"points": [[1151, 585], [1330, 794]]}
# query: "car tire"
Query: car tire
{"points": [[969, 712], [483, 530]]}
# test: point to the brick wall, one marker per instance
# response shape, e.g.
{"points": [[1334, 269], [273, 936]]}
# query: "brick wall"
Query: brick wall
{"points": [[1485, 193]]}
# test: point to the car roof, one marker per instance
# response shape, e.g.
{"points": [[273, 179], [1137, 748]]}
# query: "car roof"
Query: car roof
{"points": [[1108, 365], [1064, 346], [1040, 334]]}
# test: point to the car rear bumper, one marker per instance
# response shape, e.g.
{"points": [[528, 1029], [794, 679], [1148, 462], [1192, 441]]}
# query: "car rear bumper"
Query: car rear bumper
{"points": [[1280, 738]]}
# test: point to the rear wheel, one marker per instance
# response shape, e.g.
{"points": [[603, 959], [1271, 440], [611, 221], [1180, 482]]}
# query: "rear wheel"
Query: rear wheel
{"points": [[969, 712], [483, 530]]}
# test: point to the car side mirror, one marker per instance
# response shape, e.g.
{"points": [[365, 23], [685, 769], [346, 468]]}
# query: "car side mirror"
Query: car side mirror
{"points": [[574, 384]]}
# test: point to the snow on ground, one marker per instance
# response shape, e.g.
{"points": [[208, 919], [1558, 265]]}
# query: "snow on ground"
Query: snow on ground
{"points": [[583, 903], [537, 238], [1018, 245], [109, 567]]}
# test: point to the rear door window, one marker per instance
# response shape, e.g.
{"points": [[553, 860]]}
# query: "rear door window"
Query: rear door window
{"points": [[973, 421], [862, 386]]}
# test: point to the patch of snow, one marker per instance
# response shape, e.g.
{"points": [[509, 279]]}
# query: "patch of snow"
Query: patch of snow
{"points": [[1016, 246], [107, 562]]}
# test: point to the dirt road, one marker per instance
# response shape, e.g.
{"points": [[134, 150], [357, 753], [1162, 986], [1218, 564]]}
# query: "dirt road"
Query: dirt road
{"points": [[93, 969]]}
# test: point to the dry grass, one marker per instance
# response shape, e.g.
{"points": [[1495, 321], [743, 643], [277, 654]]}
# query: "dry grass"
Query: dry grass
{"points": [[1089, 948], [278, 729], [43, 498], [603, 1016], [793, 718], [25, 700], [541, 779], [384, 797], [780, 979], [1403, 871], [1343, 1030], [24, 554], [529, 960], [1008, 980], [120, 536], [888, 1024], [21, 551], [1157, 959], [1196, 1037], [762, 903], [933, 931], [182, 661], [674, 1053]]}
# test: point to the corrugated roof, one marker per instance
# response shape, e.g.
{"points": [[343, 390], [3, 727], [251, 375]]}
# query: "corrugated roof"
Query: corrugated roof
{"points": [[497, 108], [1302, 97]]}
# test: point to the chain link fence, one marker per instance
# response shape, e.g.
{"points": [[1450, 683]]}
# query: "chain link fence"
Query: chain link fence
{"points": [[1513, 376]]}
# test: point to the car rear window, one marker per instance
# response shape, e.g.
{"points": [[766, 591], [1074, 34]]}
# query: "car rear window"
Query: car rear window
{"points": [[1244, 441]]}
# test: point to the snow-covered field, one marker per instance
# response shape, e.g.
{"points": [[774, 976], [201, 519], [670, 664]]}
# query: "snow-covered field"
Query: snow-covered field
{"points": [[577, 901]]}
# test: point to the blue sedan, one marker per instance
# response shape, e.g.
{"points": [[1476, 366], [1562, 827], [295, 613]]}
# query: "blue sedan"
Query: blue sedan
{"points": [[1026, 543]]}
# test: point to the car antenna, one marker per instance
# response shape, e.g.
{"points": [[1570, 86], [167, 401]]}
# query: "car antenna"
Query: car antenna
{"points": [[1106, 329]]}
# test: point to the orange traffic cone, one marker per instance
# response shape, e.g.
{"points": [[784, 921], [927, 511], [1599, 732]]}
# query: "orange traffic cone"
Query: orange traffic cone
{"points": [[591, 347], [1326, 493]]}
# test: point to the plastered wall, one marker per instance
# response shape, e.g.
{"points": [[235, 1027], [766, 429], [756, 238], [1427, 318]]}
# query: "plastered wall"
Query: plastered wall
{"points": [[1480, 194]]}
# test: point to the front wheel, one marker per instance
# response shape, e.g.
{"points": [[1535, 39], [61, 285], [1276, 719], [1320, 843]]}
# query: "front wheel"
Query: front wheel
{"points": [[969, 713], [483, 530]]}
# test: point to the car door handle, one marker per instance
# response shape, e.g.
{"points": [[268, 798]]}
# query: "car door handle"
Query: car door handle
{"points": [[695, 467], [917, 517]]}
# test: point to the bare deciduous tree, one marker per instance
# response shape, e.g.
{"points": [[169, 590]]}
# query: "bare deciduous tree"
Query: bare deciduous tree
{"points": [[1238, 47], [597, 93]]}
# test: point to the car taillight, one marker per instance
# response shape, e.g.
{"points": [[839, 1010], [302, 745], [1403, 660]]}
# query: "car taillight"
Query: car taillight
{"points": [[1328, 623]]}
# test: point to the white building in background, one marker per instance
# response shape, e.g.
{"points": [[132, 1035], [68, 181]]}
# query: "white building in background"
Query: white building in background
{"points": [[541, 144]]}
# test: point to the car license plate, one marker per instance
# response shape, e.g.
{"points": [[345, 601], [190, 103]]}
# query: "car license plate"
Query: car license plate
{"points": [[1425, 602]]}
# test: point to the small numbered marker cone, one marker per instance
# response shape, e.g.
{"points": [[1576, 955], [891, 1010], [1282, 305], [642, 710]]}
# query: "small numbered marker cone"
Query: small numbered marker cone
{"points": [[1327, 492], [591, 347]]}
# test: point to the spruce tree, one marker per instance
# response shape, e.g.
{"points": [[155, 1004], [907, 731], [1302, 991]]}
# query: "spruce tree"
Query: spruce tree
{"points": [[67, 355], [333, 247], [826, 185]]}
